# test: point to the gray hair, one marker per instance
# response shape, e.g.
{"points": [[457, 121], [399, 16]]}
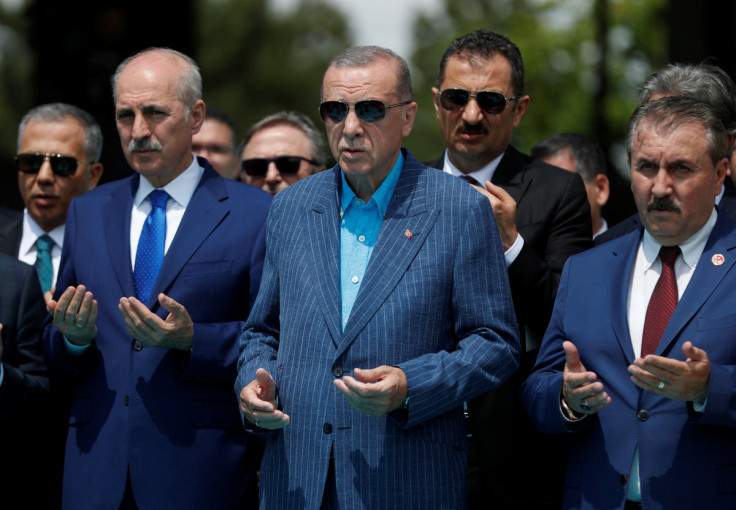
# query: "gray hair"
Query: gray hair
{"points": [[669, 113], [296, 120], [359, 56], [705, 82], [589, 157], [190, 79], [57, 112]]}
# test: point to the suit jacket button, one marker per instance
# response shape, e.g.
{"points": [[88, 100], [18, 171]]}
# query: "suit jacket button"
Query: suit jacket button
{"points": [[337, 371], [137, 345], [643, 415], [623, 479], [327, 428]]}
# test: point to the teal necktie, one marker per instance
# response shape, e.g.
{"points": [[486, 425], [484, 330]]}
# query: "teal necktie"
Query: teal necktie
{"points": [[43, 265], [150, 252]]}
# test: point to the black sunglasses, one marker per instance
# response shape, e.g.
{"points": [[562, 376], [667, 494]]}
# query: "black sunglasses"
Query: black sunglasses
{"points": [[489, 101], [286, 165], [65, 166], [369, 110]]}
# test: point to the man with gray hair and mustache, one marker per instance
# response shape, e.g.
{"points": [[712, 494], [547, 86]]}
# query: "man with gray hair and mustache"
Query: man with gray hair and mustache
{"points": [[157, 278]]}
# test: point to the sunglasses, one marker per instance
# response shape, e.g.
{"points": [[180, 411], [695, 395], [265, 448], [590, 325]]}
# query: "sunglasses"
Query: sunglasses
{"points": [[489, 101], [65, 166], [286, 165], [369, 110]]}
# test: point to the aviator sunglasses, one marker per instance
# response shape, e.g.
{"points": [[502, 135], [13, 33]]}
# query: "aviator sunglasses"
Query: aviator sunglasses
{"points": [[369, 110], [286, 165], [31, 163], [489, 101]]}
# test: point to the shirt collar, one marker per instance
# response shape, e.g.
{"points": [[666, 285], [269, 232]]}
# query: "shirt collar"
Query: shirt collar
{"points": [[691, 249], [382, 196], [32, 231], [482, 175], [180, 189]]}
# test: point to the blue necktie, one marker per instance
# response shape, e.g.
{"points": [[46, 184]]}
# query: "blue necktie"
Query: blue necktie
{"points": [[150, 253], [43, 265]]}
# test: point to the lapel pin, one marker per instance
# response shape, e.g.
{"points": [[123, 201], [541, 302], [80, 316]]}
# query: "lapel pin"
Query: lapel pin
{"points": [[407, 234], [717, 259]]}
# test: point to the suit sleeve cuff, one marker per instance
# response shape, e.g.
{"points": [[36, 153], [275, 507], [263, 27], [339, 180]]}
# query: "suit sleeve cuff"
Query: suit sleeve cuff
{"points": [[513, 252]]}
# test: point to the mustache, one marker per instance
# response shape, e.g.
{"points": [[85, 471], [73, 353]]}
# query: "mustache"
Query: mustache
{"points": [[662, 204], [472, 128], [144, 144]]}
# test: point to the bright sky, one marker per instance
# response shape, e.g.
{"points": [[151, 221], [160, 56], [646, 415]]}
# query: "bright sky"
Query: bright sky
{"points": [[386, 23]]}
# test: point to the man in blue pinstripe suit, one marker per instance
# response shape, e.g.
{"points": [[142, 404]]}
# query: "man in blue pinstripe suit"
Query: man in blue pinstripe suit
{"points": [[384, 305]]}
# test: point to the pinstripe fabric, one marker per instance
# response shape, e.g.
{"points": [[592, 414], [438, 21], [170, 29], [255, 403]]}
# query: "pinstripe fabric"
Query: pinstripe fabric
{"points": [[436, 304]]}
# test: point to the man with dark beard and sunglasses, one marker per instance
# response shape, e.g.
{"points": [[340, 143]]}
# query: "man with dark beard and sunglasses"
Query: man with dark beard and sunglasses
{"points": [[158, 274], [544, 217], [637, 364]]}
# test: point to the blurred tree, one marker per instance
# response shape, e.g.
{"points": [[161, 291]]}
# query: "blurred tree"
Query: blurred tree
{"points": [[256, 62]]}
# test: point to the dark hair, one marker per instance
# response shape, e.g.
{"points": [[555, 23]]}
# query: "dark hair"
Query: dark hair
{"points": [[215, 113], [481, 45], [359, 56], [589, 157], [669, 113], [56, 112]]}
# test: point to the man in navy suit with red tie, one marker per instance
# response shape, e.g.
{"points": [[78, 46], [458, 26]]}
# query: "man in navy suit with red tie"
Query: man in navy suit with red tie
{"points": [[638, 364]]}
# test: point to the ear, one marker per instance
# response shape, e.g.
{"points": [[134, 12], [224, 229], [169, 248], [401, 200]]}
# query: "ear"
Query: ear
{"points": [[95, 172], [603, 188], [436, 101], [409, 114], [722, 169], [197, 114], [521, 106]]}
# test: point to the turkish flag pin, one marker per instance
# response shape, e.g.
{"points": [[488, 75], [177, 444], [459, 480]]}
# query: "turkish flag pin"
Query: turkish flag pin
{"points": [[408, 235], [717, 259]]}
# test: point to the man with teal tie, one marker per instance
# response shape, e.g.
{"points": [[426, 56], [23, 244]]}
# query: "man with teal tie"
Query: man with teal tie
{"points": [[59, 148]]}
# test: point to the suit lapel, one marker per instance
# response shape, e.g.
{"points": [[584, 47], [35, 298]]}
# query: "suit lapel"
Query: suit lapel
{"points": [[405, 227], [10, 236], [511, 174], [117, 212], [718, 256], [207, 208], [623, 255], [324, 221]]}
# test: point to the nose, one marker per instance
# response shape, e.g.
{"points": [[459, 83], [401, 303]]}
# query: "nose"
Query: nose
{"points": [[351, 125], [45, 173], [273, 175], [661, 183], [141, 128], [472, 114]]}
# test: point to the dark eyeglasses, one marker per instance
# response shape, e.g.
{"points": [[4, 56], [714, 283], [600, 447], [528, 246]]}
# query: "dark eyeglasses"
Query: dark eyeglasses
{"points": [[65, 166], [489, 101], [286, 165], [369, 110]]}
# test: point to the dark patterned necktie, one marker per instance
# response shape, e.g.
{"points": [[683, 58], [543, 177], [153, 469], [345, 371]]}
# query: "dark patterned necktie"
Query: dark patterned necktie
{"points": [[150, 252], [43, 265], [662, 303], [470, 180]]}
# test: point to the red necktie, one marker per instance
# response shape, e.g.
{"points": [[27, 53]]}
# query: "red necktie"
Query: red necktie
{"points": [[662, 303]]}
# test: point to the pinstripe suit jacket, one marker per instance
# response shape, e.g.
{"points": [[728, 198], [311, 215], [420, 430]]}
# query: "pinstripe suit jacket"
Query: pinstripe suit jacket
{"points": [[436, 304]]}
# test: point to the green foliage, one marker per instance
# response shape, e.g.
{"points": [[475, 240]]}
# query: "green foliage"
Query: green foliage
{"points": [[255, 62]]}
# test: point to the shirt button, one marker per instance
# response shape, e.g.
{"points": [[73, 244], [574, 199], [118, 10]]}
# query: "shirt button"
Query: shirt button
{"points": [[126, 400], [361, 239], [327, 428], [354, 279], [137, 345], [643, 415]]}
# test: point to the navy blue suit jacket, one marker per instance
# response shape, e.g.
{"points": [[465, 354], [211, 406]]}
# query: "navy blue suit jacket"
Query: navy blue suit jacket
{"points": [[686, 459], [167, 416], [435, 303]]}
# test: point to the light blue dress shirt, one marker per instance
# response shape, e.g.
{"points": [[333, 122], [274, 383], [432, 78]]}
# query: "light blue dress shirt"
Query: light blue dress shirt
{"points": [[359, 229]]}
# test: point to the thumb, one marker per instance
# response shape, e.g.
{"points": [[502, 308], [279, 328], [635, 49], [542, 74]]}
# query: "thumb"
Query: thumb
{"points": [[498, 192], [572, 357], [693, 353], [268, 386], [366, 375]]}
